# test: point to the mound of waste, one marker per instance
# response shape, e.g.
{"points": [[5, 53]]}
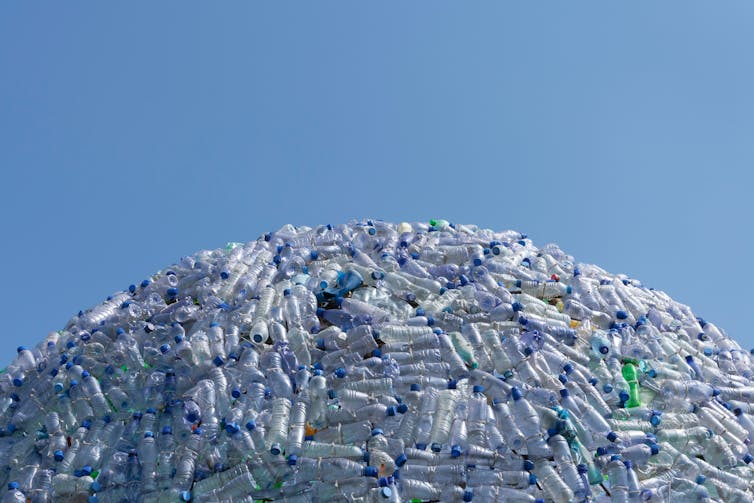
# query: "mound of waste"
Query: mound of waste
{"points": [[375, 362]]}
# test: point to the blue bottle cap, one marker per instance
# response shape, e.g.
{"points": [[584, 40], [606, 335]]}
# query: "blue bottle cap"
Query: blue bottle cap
{"points": [[185, 496], [292, 459], [516, 394], [382, 482], [218, 361], [621, 315], [421, 446], [198, 431], [568, 368], [386, 492], [276, 449], [477, 388], [167, 430], [377, 431], [402, 408], [654, 448], [87, 469], [452, 384], [628, 464], [748, 458], [562, 378], [18, 382], [86, 423], [455, 451], [96, 486], [332, 394], [236, 393], [612, 436], [701, 479], [539, 500], [468, 495], [340, 372], [528, 465], [401, 460], [376, 353], [582, 468], [436, 447], [164, 348], [624, 396], [370, 471], [12, 486], [58, 455], [532, 479], [390, 411], [655, 420], [565, 393]]}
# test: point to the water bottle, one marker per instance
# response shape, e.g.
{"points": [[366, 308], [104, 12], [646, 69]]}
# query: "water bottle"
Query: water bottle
{"points": [[551, 483], [564, 462], [277, 433], [527, 420]]}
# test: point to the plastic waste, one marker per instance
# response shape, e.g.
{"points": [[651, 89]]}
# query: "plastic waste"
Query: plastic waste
{"points": [[369, 361]]}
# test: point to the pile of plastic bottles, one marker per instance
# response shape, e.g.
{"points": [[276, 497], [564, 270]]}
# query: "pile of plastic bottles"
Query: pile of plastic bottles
{"points": [[375, 362]]}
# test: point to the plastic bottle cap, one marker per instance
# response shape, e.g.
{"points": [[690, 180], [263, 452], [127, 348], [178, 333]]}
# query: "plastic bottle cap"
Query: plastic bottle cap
{"points": [[421, 446], [415, 387], [236, 393], [567, 368], [654, 448], [701, 479], [12, 486], [748, 458], [452, 384], [292, 459], [621, 315], [96, 486], [581, 468], [565, 393], [516, 394], [370, 471], [532, 479], [612, 436], [402, 408], [167, 430], [468, 495], [377, 431], [436, 447], [59, 455], [185, 496], [276, 449], [401, 460], [478, 389], [18, 382], [340, 372]]}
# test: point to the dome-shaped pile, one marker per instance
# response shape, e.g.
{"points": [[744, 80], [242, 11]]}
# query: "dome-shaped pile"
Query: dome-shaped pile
{"points": [[381, 362]]}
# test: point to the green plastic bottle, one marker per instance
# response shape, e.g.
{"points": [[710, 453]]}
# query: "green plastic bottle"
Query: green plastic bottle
{"points": [[631, 376]]}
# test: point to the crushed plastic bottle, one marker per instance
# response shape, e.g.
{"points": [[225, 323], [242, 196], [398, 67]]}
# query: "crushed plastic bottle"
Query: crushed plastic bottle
{"points": [[379, 362]]}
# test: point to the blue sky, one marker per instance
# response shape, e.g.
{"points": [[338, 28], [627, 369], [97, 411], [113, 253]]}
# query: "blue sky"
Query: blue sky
{"points": [[133, 134]]}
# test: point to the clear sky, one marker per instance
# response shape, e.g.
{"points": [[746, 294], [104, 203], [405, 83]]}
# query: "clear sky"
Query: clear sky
{"points": [[133, 133]]}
